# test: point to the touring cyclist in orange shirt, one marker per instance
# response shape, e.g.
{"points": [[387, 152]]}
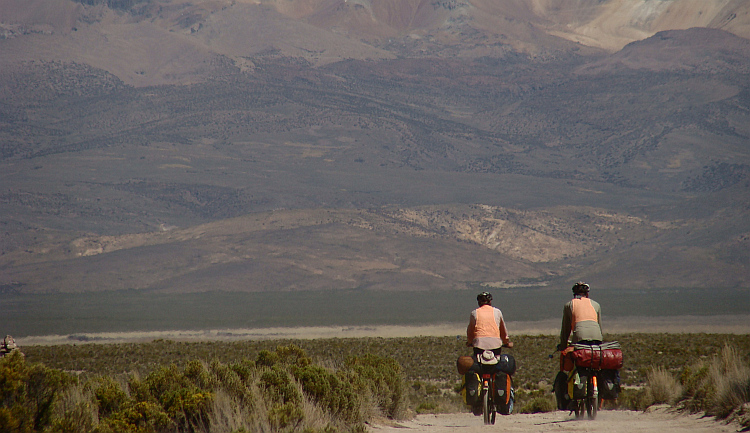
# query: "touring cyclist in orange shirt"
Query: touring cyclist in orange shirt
{"points": [[582, 319], [486, 330]]}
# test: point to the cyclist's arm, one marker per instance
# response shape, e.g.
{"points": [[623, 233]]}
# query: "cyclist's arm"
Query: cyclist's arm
{"points": [[565, 328], [470, 329]]}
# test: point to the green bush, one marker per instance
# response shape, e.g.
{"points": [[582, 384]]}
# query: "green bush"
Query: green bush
{"points": [[538, 404], [28, 393], [381, 379], [137, 417], [109, 396], [335, 394], [278, 383]]}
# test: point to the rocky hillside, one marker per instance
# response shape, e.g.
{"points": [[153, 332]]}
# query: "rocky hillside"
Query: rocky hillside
{"points": [[151, 42]]}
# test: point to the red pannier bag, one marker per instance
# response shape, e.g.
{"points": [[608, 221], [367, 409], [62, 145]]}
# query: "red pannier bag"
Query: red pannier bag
{"points": [[605, 356]]}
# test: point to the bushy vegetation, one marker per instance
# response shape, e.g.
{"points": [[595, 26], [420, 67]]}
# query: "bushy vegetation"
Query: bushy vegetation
{"points": [[338, 384], [27, 393], [718, 386], [280, 391]]}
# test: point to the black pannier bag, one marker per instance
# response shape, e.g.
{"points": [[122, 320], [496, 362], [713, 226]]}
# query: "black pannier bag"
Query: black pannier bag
{"points": [[579, 384], [505, 395], [506, 364], [471, 390], [561, 390], [608, 384]]}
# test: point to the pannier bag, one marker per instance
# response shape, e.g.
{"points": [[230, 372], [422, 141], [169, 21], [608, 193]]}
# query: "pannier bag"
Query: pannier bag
{"points": [[471, 388], [577, 383], [561, 390], [506, 364], [505, 395], [609, 384], [566, 359], [606, 356]]}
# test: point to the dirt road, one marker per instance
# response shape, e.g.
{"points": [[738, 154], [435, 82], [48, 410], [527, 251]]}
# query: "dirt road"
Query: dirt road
{"points": [[659, 420]]}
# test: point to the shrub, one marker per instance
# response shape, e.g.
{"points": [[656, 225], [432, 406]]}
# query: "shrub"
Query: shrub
{"points": [[278, 384], [138, 417], [28, 393], [538, 404], [661, 387], [719, 387], [76, 411], [381, 379], [284, 415], [335, 394], [427, 407], [731, 377], [109, 396], [179, 397]]}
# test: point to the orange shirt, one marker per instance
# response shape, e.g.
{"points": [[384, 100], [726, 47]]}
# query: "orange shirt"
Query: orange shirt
{"points": [[486, 328], [582, 310]]}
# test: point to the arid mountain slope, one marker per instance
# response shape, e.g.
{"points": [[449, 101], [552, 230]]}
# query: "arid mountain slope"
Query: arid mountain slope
{"points": [[186, 146], [436, 248], [151, 42]]}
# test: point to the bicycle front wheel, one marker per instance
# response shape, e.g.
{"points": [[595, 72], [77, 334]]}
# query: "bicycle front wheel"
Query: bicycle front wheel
{"points": [[486, 408]]}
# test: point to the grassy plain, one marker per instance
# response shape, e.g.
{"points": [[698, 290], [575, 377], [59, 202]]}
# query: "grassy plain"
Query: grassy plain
{"points": [[427, 363], [144, 311]]}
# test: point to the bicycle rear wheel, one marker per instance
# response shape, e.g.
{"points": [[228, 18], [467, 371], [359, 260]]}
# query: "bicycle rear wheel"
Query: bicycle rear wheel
{"points": [[592, 399], [592, 407]]}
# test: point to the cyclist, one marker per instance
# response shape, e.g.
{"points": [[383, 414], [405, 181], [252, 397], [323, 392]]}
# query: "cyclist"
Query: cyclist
{"points": [[486, 330], [581, 322]]}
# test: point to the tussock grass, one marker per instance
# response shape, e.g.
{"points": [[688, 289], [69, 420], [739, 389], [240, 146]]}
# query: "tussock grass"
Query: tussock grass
{"points": [[662, 387], [719, 387]]}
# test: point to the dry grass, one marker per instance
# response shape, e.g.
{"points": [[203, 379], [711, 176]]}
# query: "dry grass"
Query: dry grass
{"points": [[731, 377], [719, 387], [229, 415], [662, 387], [76, 410]]}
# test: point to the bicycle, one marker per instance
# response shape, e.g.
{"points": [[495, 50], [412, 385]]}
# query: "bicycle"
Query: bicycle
{"points": [[577, 384], [589, 401], [495, 395]]}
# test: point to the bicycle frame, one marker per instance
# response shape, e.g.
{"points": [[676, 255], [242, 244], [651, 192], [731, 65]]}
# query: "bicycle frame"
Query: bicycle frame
{"points": [[489, 408]]}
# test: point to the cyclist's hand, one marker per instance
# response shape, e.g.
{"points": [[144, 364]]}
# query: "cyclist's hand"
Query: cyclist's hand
{"points": [[509, 345]]}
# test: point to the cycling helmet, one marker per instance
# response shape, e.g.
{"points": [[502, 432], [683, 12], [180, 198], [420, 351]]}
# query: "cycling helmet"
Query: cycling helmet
{"points": [[484, 298], [580, 288]]}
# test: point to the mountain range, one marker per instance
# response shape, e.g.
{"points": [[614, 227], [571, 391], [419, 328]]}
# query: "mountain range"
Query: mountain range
{"points": [[284, 145]]}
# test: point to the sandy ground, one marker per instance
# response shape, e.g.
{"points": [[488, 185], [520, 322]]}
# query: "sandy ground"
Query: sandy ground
{"points": [[730, 324], [655, 420]]}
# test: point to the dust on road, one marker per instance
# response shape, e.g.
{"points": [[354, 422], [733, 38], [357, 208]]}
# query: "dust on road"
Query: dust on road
{"points": [[661, 420]]}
